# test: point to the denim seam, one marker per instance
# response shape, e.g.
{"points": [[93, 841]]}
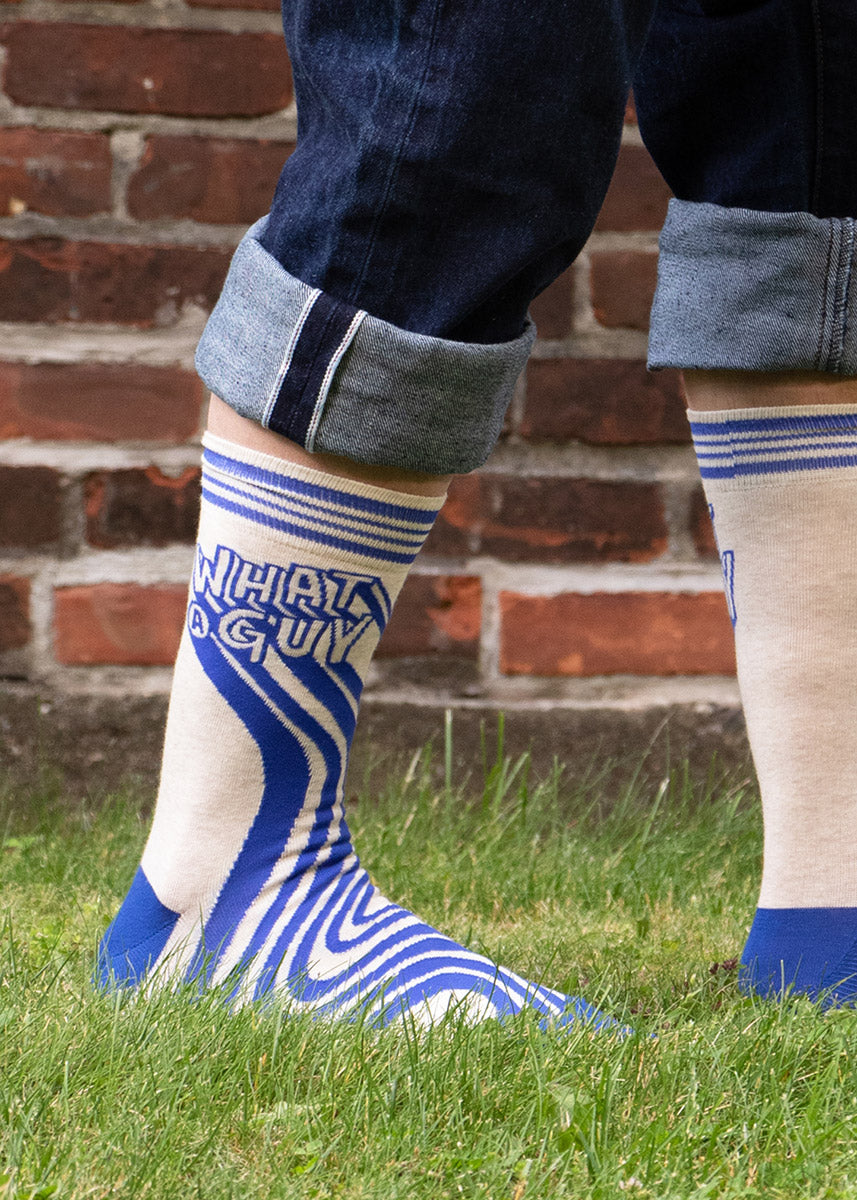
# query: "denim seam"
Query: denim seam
{"points": [[287, 357], [323, 391], [822, 357], [840, 312], [394, 165]]}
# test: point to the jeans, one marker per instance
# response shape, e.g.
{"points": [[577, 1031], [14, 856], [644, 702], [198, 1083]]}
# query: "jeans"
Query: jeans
{"points": [[451, 161]]}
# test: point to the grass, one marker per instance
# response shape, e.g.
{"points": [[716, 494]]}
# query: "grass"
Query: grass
{"points": [[629, 899]]}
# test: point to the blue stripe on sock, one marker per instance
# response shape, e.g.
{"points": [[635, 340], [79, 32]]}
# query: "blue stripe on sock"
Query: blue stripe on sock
{"points": [[778, 466], [299, 531], [404, 541], [747, 447], [324, 495], [745, 450], [287, 779], [820, 423]]}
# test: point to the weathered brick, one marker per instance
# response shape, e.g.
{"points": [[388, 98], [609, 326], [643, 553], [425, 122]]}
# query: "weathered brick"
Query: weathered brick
{"points": [[623, 633], [118, 623], [62, 173], [267, 5], [30, 507], [638, 194], [701, 528], [603, 402], [553, 309], [115, 68], [47, 279], [107, 402], [435, 615], [225, 180], [622, 284], [14, 612], [141, 507], [550, 520]]}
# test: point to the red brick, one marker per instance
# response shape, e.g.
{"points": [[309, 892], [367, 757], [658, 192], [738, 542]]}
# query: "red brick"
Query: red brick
{"points": [[30, 507], [638, 195], [553, 310], [61, 173], [14, 612], [701, 527], [603, 402], [548, 520], [105, 402], [624, 633], [118, 623], [141, 507], [267, 5], [47, 279], [226, 180], [435, 615], [114, 68], [622, 284]]}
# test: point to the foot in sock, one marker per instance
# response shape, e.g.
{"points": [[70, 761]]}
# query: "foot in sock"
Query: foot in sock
{"points": [[782, 486], [802, 952], [249, 880]]}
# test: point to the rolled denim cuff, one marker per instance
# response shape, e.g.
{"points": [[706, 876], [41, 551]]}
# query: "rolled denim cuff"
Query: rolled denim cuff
{"points": [[335, 379], [755, 291]]}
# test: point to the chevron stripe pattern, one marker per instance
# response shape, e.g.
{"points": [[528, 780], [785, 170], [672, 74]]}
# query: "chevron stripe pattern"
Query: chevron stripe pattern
{"points": [[285, 643]]}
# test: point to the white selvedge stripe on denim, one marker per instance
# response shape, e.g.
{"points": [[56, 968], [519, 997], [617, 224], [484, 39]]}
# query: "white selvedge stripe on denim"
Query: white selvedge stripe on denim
{"points": [[327, 379], [288, 354], [731, 447]]}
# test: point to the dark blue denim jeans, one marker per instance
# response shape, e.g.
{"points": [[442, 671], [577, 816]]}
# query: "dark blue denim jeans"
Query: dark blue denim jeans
{"points": [[452, 157]]}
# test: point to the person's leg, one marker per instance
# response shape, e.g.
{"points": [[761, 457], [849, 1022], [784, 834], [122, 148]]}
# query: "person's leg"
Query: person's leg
{"points": [[366, 344], [756, 301]]}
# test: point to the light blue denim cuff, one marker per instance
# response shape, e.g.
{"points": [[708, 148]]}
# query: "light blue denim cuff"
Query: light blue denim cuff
{"points": [[755, 291], [335, 379]]}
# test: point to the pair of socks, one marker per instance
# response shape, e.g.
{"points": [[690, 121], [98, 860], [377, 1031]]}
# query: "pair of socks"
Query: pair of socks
{"points": [[249, 880]]}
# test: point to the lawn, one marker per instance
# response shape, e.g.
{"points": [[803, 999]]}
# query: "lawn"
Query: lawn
{"points": [[638, 899]]}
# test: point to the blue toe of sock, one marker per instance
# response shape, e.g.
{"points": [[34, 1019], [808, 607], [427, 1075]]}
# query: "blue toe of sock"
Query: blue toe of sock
{"points": [[802, 951], [135, 938]]}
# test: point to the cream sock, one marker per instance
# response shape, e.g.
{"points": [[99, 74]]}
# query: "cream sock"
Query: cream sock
{"points": [[249, 879], [782, 490]]}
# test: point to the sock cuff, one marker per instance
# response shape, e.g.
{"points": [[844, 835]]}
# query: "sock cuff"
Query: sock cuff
{"points": [[273, 470], [314, 508], [751, 445]]}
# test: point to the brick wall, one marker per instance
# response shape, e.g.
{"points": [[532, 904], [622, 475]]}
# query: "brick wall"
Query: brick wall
{"points": [[138, 140]]}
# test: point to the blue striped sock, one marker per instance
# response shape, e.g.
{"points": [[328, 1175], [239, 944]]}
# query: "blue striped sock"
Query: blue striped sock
{"points": [[249, 879]]}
